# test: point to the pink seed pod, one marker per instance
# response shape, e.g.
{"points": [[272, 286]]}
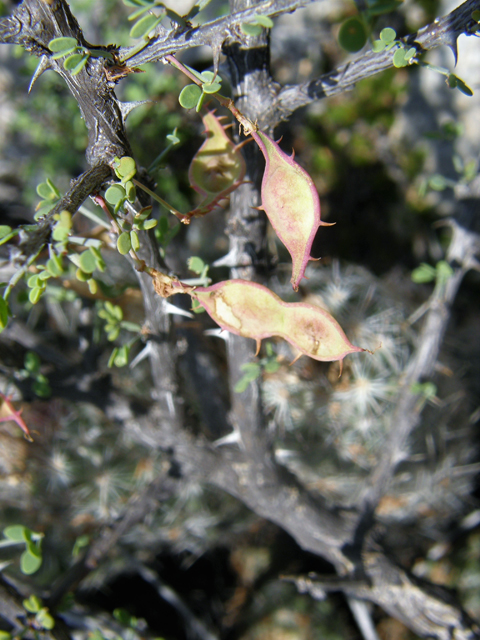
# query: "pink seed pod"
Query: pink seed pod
{"points": [[251, 310], [291, 202], [218, 166]]}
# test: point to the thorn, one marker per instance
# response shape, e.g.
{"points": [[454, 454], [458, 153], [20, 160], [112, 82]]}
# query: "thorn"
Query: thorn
{"points": [[293, 154], [216, 50], [144, 353], [259, 344], [243, 143], [177, 311], [217, 333], [341, 369], [42, 66], [127, 107], [327, 224], [231, 438], [295, 359]]}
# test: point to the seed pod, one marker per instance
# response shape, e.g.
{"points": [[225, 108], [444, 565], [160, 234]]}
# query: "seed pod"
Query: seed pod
{"points": [[291, 202], [218, 167], [248, 309]]}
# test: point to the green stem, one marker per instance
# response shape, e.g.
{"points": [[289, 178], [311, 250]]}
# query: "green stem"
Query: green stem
{"points": [[182, 217], [228, 103]]}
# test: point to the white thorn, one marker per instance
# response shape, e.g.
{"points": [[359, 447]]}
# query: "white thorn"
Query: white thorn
{"points": [[144, 353], [42, 66], [231, 438], [173, 310], [217, 333]]}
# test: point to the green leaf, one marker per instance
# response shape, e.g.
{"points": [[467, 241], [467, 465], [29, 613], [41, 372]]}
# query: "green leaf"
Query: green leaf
{"points": [[121, 359], [352, 35], [461, 86], [251, 29], [72, 61], [444, 271], [149, 224], [54, 266], [29, 563], [212, 87], [271, 366], [196, 264], [60, 234], [209, 76], [437, 182], [476, 15], [189, 96], [378, 46], [44, 619], [410, 53], [62, 44], [130, 191], [4, 313], [399, 59], [32, 604], [126, 168], [35, 294], [82, 276], [423, 273], [34, 549], [264, 21], [76, 62], [124, 243], [15, 532], [88, 262], [41, 387], [92, 286], [115, 194], [32, 362], [134, 240], [111, 360], [80, 543], [388, 35], [100, 262], [5, 230], [146, 24]]}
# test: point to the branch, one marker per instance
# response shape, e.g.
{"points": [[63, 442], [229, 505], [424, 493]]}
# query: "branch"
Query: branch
{"points": [[463, 248], [212, 34], [444, 31]]}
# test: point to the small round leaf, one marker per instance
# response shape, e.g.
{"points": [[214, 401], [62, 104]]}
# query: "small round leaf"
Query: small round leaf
{"points": [[82, 276], [251, 29], [211, 87], [146, 24], [264, 21], [35, 294], [44, 619], [134, 240], [115, 194], [189, 96], [124, 243], [29, 563], [15, 532], [62, 44], [399, 59], [388, 35], [87, 262], [352, 36]]}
